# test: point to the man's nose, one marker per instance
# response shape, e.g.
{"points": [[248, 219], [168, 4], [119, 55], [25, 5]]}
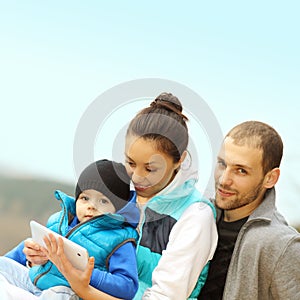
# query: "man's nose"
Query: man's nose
{"points": [[225, 177]]}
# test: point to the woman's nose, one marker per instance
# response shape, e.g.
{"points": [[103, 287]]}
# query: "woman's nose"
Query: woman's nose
{"points": [[137, 177]]}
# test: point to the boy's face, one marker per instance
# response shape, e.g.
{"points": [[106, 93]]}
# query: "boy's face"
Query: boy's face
{"points": [[91, 203]]}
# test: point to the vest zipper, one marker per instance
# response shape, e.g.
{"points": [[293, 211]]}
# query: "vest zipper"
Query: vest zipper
{"points": [[41, 275], [81, 224]]}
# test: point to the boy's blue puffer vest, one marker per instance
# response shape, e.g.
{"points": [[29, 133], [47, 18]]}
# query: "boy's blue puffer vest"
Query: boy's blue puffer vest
{"points": [[101, 236], [160, 215]]}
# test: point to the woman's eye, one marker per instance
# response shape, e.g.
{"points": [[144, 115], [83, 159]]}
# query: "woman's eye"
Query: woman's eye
{"points": [[131, 164], [151, 170]]}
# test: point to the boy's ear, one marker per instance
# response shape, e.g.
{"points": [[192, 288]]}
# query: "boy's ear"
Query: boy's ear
{"points": [[271, 178]]}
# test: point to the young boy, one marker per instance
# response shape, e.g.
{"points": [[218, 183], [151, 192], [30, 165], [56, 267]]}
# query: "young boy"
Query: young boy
{"points": [[101, 218]]}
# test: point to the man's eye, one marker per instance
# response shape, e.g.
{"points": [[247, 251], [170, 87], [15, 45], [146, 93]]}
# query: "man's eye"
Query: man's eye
{"points": [[221, 163], [242, 171]]}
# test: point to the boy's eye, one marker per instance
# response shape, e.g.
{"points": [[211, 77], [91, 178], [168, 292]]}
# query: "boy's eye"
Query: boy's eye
{"points": [[103, 201]]}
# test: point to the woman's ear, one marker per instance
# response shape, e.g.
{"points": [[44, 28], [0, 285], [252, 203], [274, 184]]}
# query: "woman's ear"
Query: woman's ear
{"points": [[271, 178], [183, 156]]}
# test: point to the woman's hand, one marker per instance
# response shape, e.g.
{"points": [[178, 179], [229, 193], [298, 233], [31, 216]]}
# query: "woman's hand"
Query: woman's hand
{"points": [[34, 253], [55, 253], [78, 280]]}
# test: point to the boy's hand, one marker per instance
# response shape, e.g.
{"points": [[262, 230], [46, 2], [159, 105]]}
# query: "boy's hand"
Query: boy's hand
{"points": [[34, 253]]}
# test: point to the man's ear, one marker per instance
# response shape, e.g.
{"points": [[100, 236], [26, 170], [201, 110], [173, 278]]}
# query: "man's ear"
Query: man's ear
{"points": [[271, 178]]}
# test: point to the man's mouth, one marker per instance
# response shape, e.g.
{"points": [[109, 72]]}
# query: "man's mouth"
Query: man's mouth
{"points": [[224, 193]]}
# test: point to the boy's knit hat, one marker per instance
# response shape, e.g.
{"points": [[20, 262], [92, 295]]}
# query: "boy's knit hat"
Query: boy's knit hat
{"points": [[108, 177]]}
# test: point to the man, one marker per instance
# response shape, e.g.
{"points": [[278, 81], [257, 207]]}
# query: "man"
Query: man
{"points": [[258, 254]]}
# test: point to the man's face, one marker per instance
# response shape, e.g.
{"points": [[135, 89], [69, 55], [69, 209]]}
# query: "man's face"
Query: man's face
{"points": [[239, 178]]}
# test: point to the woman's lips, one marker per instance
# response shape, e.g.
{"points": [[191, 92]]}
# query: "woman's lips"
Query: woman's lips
{"points": [[141, 188]]}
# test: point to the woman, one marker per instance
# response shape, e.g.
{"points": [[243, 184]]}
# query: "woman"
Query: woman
{"points": [[177, 228]]}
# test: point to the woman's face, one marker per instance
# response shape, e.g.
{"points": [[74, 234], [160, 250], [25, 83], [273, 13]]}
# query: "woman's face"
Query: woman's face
{"points": [[150, 170]]}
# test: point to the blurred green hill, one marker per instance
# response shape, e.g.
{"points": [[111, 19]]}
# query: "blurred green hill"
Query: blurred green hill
{"points": [[23, 199]]}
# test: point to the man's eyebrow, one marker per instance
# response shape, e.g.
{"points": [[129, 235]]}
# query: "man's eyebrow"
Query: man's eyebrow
{"points": [[243, 166], [237, 165]]}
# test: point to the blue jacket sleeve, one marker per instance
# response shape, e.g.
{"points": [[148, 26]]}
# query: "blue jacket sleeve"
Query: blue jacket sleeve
{"points": [[121, 280], [17, 254]]}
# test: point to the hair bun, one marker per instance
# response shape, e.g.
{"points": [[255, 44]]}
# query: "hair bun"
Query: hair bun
{"points": [[170, 102]]}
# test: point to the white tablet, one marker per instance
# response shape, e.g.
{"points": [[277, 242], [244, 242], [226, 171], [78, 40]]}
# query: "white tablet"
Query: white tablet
{"points": [[77, 254]]}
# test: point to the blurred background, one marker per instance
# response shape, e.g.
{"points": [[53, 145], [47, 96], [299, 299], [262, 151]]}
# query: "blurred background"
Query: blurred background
{"points": [[57, 57]]}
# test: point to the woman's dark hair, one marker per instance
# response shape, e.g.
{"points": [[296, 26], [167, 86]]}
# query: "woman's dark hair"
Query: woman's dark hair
{"points": [[164, 123]]}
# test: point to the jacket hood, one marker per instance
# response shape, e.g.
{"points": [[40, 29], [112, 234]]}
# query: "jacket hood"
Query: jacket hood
{"points": [[183, 176], [130, 211], [179, 194]]}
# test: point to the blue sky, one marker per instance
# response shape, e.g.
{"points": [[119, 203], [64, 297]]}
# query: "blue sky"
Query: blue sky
{"points": [[57, 57]]}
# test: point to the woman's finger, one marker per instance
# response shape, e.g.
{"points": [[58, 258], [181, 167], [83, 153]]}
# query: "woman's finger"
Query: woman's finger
{"points": [[53, 243], [90, 267], [47, 243], [60, 247]]}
